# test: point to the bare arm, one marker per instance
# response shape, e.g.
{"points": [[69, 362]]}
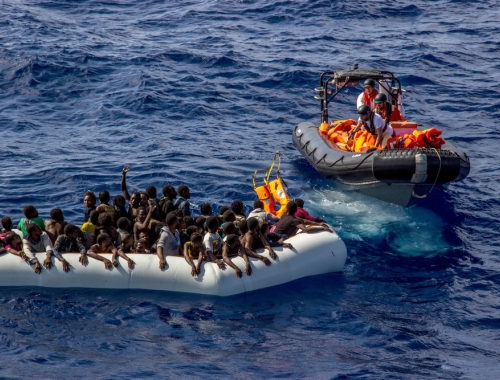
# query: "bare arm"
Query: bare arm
{"points": [[124, 183], [228, 261], [214, 259], [248, 268], [194, 272], [266, 244], [145, 224], [251, 253], [107, 263], [125, 257], [159, 253]]}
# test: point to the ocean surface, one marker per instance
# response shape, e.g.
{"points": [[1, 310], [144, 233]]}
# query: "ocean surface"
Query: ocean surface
{"points": [[204, 93]]}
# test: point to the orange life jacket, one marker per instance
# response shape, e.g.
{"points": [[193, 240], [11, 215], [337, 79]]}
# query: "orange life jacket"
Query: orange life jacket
{"points": [[278, 191], [368, 100], [265, 196]]}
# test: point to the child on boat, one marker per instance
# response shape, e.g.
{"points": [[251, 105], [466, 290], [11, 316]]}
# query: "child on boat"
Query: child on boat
{"points": [[194, 249]]}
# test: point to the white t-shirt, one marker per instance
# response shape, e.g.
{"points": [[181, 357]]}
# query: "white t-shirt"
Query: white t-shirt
{"points": [[378, 122], [361, 101], [169, 241], [213, 242]]}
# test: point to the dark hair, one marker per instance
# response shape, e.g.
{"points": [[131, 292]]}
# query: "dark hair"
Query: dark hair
{"points": [[105, 219], [57, 214], [123, 223], [31, 228], [7, 222], [291, 208], [102, 237], [299, 202], [195, 238], [243, 227], [229, 228], [171, 219], [29, 211], [258, 204], [200, 221], [9, 238], [181, 189], [167, 191], [104, 196], [70, 228], [119, 201], [231, 239], [91, 194], [191, 230], [189, 221], [212, 223], [223, 209], [144, 193], [206, 209], [151, 191], [238, 207], [252, 223], [229, 216], [139, 241], [94, 217]]}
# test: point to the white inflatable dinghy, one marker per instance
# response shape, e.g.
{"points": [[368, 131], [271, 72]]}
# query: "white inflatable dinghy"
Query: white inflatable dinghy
{"points": [[312, 254]]}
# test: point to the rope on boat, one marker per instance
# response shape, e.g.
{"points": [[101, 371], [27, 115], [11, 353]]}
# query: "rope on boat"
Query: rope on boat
{"points": [[435, 181]]}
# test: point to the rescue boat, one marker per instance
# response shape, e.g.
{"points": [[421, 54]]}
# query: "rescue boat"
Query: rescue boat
{"points": [[312, 254], [399, 173]]}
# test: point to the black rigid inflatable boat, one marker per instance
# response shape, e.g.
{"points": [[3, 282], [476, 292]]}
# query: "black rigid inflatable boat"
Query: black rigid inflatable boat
{"points": [[399, 176]]}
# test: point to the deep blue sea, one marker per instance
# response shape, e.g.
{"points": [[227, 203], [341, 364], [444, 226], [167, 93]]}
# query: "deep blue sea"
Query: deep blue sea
{"points": [[203, 93]]}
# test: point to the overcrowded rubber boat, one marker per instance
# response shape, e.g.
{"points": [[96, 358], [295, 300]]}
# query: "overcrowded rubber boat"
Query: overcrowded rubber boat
{"points": [[312, 254], [403, 169]]}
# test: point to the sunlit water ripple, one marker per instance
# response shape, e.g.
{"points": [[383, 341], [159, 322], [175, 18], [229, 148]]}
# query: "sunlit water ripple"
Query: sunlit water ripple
{"points": [[203, 93]]}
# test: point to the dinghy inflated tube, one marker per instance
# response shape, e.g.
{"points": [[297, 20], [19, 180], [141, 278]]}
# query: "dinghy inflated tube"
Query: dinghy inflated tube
{"points": [[312, 254]]}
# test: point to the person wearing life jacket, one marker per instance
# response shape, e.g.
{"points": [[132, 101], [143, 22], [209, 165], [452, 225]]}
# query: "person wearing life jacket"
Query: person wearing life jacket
{"points": [[367, 97], [383, 107], [375, 125], [398, 109]]}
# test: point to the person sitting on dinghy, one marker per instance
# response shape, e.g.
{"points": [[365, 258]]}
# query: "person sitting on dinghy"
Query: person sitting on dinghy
{"points": [[213, 242], [367, 97], [89, 200], [104, 245], [194, 249], [289, 223], [14, 245], [170, 240], [303, 214], [55, 226], [182, 202], [233, 248], [69, 242], [254, 240], [30, 216], [375, 125], [37, 240], [260, 214]]}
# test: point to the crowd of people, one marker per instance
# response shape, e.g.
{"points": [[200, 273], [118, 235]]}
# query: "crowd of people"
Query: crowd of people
{"points": [[150, 224]]}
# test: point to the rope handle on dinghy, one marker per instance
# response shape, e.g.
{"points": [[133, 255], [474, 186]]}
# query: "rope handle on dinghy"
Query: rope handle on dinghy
{"points": [[435, 181]]}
